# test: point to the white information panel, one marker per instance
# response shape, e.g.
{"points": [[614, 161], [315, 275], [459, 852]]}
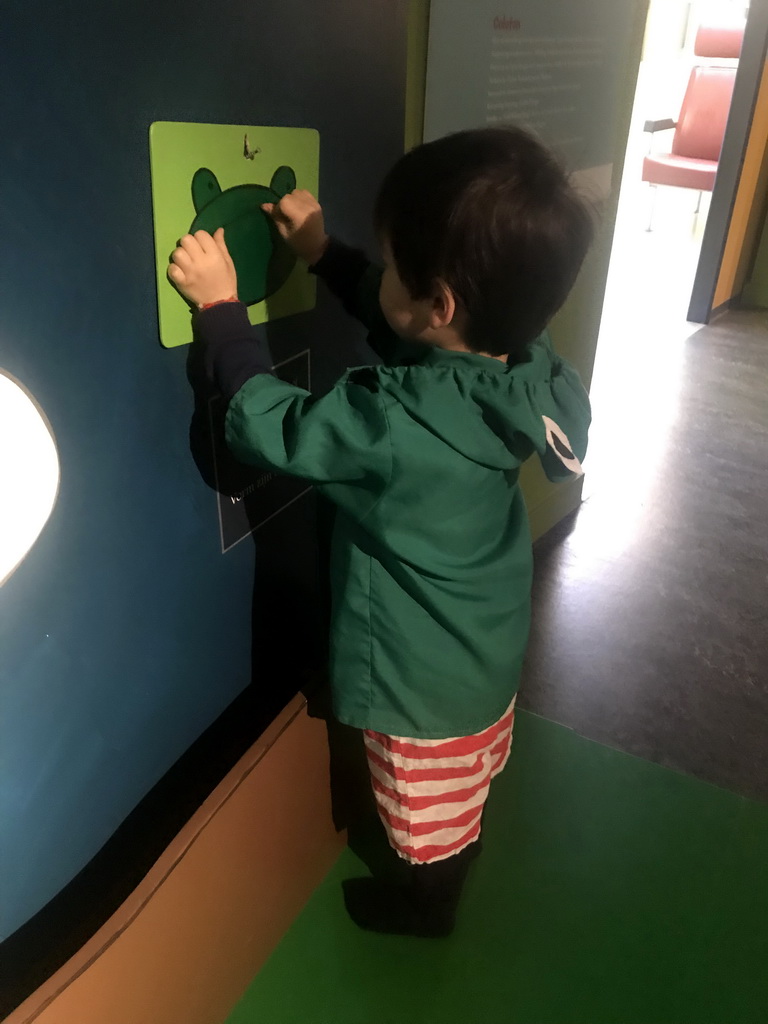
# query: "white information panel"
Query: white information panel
{"points": [[554, 67]]}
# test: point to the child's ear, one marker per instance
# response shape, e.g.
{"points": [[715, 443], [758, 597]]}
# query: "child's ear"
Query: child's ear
{"points": [[443, 305]]}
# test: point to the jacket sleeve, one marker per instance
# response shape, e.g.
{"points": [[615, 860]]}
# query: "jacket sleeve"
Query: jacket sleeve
{"points": [[233, 350], [339, 442], [563, 405], [353, 279]]}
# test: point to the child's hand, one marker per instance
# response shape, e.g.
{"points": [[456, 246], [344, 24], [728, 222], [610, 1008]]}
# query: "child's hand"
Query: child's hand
{"points": [[299, 219], [202, 268]]}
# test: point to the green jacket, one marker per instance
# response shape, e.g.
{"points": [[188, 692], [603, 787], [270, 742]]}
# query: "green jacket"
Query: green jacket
{"points": [[431, 555]]}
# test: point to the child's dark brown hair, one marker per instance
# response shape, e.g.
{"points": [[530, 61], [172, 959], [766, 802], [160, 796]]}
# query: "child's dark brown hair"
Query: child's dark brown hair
{"points": [[492, 213]]}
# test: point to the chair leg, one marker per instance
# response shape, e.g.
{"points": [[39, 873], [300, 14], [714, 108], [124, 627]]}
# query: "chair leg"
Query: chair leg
{"points": [[696, 212], [654, 189]]}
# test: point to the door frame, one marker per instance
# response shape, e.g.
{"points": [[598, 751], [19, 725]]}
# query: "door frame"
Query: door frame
{"points": [[745, 90]]}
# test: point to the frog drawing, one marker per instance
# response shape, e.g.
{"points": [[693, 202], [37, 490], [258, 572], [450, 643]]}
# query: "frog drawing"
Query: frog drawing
{"points": [[262, 259]]}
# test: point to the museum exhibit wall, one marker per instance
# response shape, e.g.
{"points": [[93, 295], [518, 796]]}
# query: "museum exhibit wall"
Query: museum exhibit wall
{"points": [[125, 631]]}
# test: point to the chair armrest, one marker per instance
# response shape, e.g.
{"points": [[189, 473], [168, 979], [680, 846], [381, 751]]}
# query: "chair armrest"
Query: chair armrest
{"points": [[659, 126]]}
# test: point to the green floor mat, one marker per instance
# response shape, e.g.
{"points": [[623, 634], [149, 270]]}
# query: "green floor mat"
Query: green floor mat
{"points": [[610, 891]]}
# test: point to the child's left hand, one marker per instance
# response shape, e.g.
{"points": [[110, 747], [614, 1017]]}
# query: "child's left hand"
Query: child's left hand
{"points": [[202, 269]]}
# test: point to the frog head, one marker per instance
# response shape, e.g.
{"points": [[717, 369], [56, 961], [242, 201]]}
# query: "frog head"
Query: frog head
{"points": [[262, 259]]}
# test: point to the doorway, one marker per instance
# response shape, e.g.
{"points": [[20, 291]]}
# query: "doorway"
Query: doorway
{"points": [[656, 252]]}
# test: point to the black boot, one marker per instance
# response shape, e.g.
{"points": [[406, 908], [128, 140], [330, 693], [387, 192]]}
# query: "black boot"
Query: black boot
{"points": [[425, 906]]}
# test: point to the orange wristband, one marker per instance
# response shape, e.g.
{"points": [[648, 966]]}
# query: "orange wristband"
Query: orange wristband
{"points": [[218, 302]]}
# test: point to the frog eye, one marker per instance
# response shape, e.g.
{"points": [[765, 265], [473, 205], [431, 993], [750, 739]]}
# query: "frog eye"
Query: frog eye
{"points": [[205, 188], [283, 181], [29, 473]]}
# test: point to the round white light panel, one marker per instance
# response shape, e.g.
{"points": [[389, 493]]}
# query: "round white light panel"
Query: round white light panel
{"points": [[29, 473]]}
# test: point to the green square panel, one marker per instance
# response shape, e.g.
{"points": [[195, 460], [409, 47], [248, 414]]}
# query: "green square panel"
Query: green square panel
{"points": [[206, 176]]}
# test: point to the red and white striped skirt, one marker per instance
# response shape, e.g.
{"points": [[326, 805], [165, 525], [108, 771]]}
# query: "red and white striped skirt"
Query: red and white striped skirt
{"points": [[431, 793]]}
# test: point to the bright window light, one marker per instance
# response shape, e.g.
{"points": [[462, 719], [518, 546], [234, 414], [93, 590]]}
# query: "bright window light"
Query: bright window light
{"points": [[29, 473]]}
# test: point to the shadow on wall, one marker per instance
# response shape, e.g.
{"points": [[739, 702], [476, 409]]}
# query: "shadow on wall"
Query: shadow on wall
{"points": [[291, 622], [289, 607]]}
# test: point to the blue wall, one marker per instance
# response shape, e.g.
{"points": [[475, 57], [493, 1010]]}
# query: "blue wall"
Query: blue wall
{"points": [[126, 632]]}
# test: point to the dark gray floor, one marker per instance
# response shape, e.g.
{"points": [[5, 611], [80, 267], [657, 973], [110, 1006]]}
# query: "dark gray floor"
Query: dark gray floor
{"points": [[650, 629]]}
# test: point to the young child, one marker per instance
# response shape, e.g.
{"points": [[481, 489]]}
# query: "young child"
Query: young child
{"points": [[482, 238]]}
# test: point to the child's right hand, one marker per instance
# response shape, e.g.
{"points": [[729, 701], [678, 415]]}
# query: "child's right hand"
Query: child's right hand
{"points": [[299, 219]]}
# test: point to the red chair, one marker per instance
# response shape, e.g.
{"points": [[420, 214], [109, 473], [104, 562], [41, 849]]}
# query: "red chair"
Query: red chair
{"points": [[700, 127]]}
